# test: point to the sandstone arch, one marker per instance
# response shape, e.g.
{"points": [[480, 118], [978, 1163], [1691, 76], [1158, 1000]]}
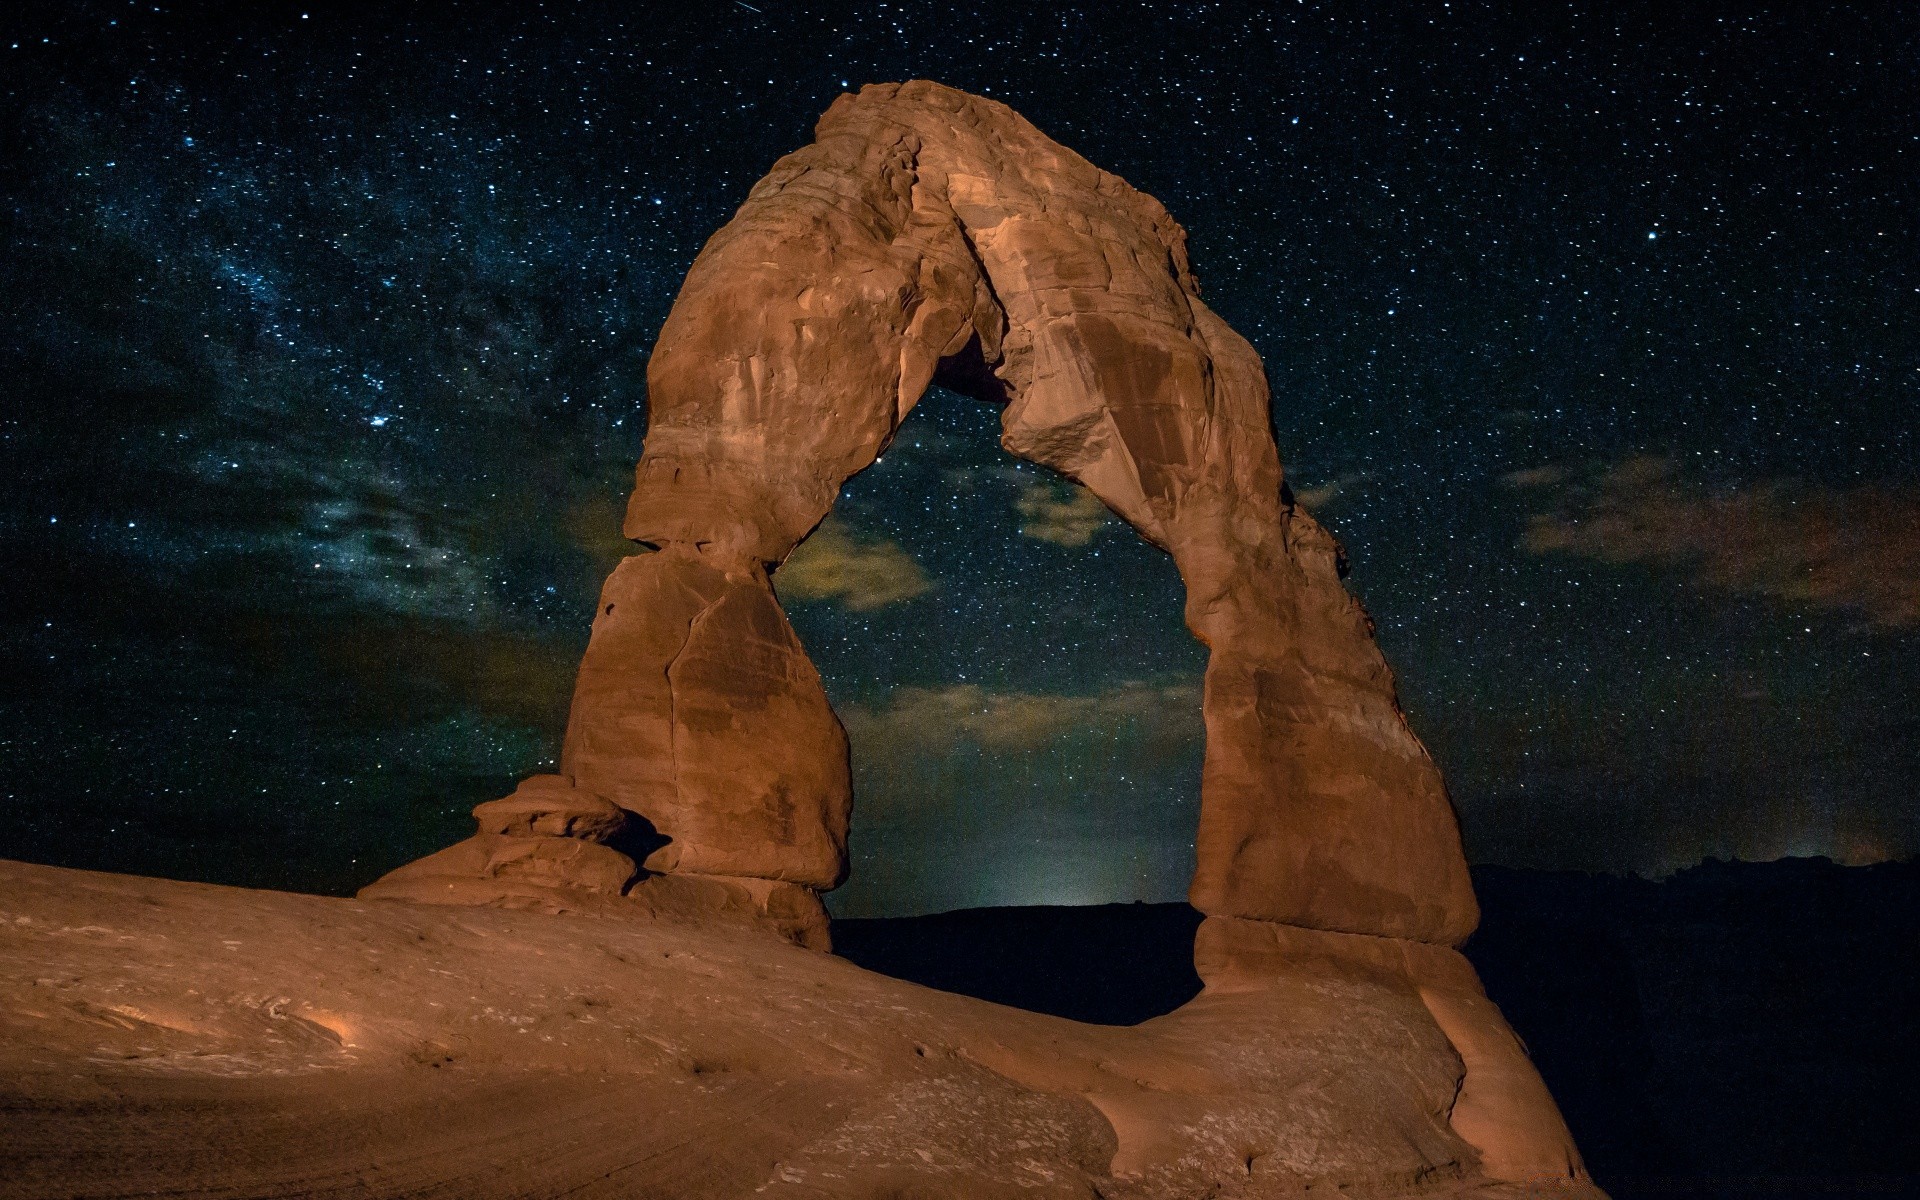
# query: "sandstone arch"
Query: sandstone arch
{"points": [[928, 234]]}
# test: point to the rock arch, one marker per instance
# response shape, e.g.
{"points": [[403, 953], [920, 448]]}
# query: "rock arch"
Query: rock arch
{"points": [[929, 234]]}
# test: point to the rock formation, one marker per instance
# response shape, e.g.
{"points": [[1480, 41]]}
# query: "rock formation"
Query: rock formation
{"points": [[164, 1038], [928, 235], [932, 235], [539, 848], [553, 848]]}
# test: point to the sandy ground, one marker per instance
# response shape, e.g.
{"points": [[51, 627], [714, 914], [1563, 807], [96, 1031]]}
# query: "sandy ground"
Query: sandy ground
{"points": [[164, 1038]]}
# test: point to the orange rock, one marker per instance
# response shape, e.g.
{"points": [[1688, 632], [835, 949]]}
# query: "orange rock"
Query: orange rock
{"points": [[928, 234], [697, 708], [1502, 1107], [544, 873], [1341, 1043], [182, 1039], [789, 909], [551, 806]]}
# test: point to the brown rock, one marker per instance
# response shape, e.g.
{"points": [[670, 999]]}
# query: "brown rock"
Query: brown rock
{"points": [[539, 848], [1502, 1107], [928, 234], [181, 1039], [547, 873], [697, 708], [550, 806], [931, 234], [789, 909]]}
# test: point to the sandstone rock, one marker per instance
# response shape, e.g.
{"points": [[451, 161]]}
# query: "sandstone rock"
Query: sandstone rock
{"points": [[928, 234], [697, 708], [546, 873], [1502, 1108], [789, 909], [539, 848], [180, 1039], [931, 234], [551, 806]]}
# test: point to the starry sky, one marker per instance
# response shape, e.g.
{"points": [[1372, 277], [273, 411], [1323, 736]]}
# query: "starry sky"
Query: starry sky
{"points": [[1591, 328]]}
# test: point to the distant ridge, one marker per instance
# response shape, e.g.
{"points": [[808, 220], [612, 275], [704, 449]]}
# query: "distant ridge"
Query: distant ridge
{"points": [[1733, 1029]]}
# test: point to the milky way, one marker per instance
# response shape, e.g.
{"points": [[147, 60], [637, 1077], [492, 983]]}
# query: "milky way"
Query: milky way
{"points": [[1591, 333]]}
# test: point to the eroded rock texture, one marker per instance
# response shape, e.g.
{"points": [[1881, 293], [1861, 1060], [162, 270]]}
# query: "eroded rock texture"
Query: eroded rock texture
{"points": [[554, 847], [928, 234], [544, 847], [697, 708]]}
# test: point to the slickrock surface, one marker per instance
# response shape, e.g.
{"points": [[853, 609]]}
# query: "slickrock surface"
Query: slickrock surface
{"points": [[161, 1037]]}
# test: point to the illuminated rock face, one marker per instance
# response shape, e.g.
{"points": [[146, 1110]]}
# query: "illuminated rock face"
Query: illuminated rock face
{"points": [[697, 708], [932, 235]]}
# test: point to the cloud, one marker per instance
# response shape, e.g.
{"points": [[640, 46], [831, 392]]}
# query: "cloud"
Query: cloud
{"points": [[933, 720], [1321, 495], [412, 669], [858, 573], [1061, 513], [972, 477], [967, 795], [1811, 547], [592, 526]]}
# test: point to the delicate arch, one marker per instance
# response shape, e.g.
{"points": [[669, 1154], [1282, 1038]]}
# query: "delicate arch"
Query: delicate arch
{"points": [[931, 234], [927, 233]]}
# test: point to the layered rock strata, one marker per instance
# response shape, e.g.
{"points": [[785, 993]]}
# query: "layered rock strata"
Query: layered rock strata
{"points": [[544, 847], [555, 848]]}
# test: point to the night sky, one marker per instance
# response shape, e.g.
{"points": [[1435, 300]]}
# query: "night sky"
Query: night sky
{"points": [[1594, 332]]}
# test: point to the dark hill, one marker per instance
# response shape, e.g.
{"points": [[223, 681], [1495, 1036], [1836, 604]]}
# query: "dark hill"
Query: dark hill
{"points": [[1111, 964]]}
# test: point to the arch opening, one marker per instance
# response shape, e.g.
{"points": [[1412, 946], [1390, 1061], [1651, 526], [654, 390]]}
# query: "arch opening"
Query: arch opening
{"points": [[1021, 700]]}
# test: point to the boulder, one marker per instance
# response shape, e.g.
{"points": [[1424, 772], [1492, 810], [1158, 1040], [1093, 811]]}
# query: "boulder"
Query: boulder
{"points": [[540, 848], [551, 806]]}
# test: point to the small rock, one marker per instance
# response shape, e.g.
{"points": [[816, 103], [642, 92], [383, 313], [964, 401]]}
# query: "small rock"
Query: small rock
{"points": [[550, 806]]}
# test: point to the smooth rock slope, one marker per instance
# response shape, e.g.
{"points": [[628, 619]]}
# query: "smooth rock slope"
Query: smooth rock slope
{"points": [[173, 1038]]}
